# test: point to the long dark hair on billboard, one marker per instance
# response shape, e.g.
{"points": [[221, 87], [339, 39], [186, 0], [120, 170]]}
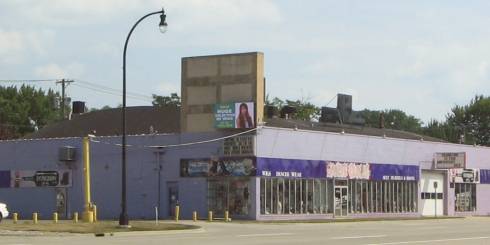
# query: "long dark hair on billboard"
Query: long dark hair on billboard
{"points": [[244, 120]]}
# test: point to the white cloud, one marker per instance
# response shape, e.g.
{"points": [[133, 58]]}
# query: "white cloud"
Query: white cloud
{"points": [[55, 71], [165, 88]]}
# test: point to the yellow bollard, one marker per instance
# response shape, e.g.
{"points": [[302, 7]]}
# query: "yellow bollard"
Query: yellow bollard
{"points": [[210, 216], [15, 218], [75, 217], [227, 216], [177, 213], [34, 218], [55, 217], [95, 212], [194, 216]]}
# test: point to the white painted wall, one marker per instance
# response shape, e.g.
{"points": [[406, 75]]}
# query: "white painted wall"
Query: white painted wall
{"points": [[317, 145], [428, 206]]}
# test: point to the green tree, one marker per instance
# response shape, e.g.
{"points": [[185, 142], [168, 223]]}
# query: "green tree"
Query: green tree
{"points": [[173, 100], [305, 110], [472, 121], [393, 119], [26, 109]]}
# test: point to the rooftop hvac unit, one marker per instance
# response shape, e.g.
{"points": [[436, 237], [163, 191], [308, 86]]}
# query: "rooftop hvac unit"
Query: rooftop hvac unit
{"points": [[270, 111], [67, 153], [344, 103], [78, 107], [287, 110], [330, 115]]}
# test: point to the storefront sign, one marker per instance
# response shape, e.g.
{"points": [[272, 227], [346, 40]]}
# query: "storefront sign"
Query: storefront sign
{"points": [[240, 145], [348, 170], [460, 175], [234, 115], [218, 167], [484, 176], [394, 172], [31, 178], [290, 168], [448, 160]]}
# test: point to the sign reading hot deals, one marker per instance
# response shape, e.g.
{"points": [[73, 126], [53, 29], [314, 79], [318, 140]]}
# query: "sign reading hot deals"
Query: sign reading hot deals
{"points": [[31, 178], [448, 160], [234, 115]]}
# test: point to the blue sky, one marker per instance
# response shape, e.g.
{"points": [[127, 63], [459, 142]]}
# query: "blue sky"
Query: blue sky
{"points": [[419, 56]]}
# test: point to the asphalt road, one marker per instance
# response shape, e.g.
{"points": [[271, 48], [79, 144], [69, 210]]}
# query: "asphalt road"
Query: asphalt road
{"points": [[475, 230]]}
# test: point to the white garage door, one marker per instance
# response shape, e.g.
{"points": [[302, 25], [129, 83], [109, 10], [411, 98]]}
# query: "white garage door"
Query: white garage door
{"points": [[432, 198]]}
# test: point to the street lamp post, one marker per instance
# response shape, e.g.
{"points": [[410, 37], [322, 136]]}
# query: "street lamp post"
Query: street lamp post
{"points": [[123, 218]]}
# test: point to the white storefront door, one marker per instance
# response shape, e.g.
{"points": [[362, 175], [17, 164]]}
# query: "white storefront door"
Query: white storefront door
{"points": [[432, 195]]}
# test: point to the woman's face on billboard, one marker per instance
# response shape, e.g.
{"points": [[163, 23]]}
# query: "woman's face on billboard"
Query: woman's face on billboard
{"points": [[243, 110]]}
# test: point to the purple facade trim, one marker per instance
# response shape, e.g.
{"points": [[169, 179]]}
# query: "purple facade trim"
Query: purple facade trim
{"points": [[484, 176], [394, 172], [290, 168], [294, 168]]}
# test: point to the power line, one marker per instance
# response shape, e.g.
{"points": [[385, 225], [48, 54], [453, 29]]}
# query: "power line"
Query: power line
{"points": [[112, 93], [113, 89], [178, 145], [26, 80]]}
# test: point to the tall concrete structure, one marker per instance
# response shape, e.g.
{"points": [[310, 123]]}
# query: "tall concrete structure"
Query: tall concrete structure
{"points": [[208, 80]]}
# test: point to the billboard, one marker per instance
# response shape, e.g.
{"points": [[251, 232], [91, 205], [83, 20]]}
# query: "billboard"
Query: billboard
{"points": [[219, 167], [448, 160], [33, 178], [234, 115]]}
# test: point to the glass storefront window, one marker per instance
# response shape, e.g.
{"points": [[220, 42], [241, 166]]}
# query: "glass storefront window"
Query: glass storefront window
{"points": [[315, 196], [465, 197], [231, 195]]}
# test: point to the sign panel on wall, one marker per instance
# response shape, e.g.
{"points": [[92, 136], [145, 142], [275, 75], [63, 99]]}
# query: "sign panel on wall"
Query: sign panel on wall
{"points": [[32, 178], [218, 167], [240, 145], [234, 115], [448, 160], [394, 172], [461, 175], [290, 168], [348, 170]]}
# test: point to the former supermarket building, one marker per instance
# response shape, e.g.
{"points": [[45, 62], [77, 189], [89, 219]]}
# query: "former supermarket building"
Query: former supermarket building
{"points": [[224, 150]]}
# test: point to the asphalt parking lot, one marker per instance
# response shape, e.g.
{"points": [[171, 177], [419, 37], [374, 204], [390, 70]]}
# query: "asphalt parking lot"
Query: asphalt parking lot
{"points": [[474, 230]]}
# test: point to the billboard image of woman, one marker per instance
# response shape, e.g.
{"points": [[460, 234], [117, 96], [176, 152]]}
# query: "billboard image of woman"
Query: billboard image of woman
{"points": [[244, 115]]}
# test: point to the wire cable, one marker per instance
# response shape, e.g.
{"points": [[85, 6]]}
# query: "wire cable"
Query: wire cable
{"points": [[26, 80], [112, 93], [178, 145]]}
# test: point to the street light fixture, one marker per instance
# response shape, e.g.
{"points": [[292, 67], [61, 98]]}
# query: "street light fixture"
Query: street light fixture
{"points": [[163, 22], [123, 217]]}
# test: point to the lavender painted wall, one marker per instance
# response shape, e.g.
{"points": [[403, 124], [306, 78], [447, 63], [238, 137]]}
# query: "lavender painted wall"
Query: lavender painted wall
{"points": [[106, 175], [315, 145]]}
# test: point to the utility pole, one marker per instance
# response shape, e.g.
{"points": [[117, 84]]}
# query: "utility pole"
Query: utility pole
{"points": [[63, 83]]}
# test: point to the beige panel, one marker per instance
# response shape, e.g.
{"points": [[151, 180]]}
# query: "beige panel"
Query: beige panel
{"points": [[260, 92], [200, 122], [236, 92], [201, 95], [202, 67], [236, 65]]}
